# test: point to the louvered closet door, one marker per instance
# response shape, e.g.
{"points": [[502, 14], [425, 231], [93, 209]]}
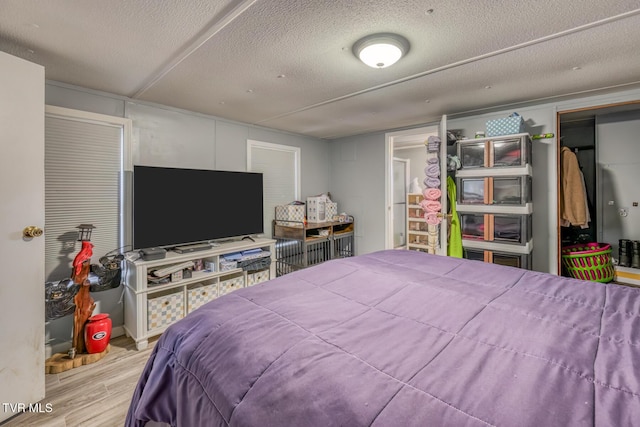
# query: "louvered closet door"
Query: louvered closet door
{"points": [[83, 163]]}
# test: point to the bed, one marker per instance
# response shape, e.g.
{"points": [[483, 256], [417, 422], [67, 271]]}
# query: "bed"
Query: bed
{"points": [[401, 338]]}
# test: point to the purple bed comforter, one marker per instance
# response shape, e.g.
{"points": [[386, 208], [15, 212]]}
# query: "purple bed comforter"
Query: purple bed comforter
{"points": [[401, 338]]}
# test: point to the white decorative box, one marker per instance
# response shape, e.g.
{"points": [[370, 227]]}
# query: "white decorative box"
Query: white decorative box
{"points": [[164, 310], [320, 209], [176, 276], [201, 295], [332, 210], [230, 285], [290, 213]]}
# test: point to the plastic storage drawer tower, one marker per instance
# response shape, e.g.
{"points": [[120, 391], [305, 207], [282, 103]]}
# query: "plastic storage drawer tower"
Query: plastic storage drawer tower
{"points": [[494, 199]]}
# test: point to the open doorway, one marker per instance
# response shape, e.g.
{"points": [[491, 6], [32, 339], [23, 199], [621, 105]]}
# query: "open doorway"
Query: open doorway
{"points": [[409, 146], [604, 141]]}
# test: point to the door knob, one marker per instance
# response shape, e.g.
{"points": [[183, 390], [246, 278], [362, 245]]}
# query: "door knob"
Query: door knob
{"points": [[32, 231]]}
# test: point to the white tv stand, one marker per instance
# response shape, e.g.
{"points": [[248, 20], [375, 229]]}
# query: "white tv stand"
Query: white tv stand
{"points": [[150, 308]]}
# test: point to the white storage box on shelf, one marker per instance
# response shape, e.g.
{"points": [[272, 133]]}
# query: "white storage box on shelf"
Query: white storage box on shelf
{"points": [[290, 213], [331, 209], [321, 209]]}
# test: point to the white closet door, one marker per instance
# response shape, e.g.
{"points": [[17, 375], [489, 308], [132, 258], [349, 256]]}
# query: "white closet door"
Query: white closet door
{"points": [[280, 166], [444, 225]]}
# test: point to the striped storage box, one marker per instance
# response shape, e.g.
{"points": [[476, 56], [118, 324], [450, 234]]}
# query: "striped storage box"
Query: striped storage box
{"points": [[164, 309], [230, 285], [201, 295], [257, 277]]}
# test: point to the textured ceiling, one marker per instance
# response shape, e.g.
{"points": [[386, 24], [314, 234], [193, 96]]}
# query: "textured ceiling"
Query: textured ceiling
{"points": [[227, 58]]}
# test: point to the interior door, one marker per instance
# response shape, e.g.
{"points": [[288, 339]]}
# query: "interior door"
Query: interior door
{"points": [[444, 225], [22, 260], [399, 185]]}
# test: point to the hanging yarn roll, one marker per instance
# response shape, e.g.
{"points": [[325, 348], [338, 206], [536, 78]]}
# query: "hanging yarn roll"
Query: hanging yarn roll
{"points": [[432, 171], [431, 206], [432, 193], [431, 182], [432, 218], [433, 160]]}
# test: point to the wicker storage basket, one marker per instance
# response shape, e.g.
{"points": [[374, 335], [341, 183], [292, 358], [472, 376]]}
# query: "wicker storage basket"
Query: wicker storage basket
{"points": [[589, 261], [255, 264]]}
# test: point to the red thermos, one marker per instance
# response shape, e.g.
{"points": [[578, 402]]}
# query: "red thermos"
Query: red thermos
{"points": [[97, 333]]}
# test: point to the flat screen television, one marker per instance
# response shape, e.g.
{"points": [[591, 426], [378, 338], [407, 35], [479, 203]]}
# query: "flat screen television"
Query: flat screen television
{"points": [[173, 206]]}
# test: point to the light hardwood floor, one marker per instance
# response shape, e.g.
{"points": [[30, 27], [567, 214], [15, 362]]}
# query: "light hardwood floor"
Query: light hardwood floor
{"points": [[91, 395]]}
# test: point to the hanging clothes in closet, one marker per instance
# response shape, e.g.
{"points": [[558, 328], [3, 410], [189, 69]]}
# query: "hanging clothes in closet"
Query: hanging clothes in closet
{"points": [[574, 209], [454, 248]]}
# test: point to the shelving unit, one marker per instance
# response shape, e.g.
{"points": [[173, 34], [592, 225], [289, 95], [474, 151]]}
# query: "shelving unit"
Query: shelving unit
{"points": [[417, 234], [494, 199], [151, 307], [300, 244]]}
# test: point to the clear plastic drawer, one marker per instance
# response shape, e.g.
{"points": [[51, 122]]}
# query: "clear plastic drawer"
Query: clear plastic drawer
{"points": [[500, 258], [494, 190], [498, 228], [509, 151]]}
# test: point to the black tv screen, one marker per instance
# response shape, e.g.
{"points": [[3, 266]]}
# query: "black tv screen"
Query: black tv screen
{"points": [[173, 206]]}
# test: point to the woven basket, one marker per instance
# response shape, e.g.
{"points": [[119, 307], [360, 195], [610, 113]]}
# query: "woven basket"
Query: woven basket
{"points": [[589, 261], [255, 264]]}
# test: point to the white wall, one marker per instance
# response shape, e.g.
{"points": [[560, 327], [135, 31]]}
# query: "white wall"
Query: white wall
{"points": [[618, 164], [417, 161], [165, 136], [358, 186]]}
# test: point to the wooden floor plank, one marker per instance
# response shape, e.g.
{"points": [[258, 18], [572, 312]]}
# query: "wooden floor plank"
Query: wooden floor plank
{"points": [[91, 395]]}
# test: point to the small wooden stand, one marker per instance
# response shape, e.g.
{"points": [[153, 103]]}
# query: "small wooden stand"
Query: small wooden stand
{"points": [[61, 362]]}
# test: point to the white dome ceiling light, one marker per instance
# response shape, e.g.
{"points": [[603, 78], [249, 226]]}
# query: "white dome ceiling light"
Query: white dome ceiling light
{"points": [[381, 50]]}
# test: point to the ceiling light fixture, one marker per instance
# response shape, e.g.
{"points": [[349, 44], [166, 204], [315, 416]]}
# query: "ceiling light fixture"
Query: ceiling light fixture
{"points": [[381, 50]]}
